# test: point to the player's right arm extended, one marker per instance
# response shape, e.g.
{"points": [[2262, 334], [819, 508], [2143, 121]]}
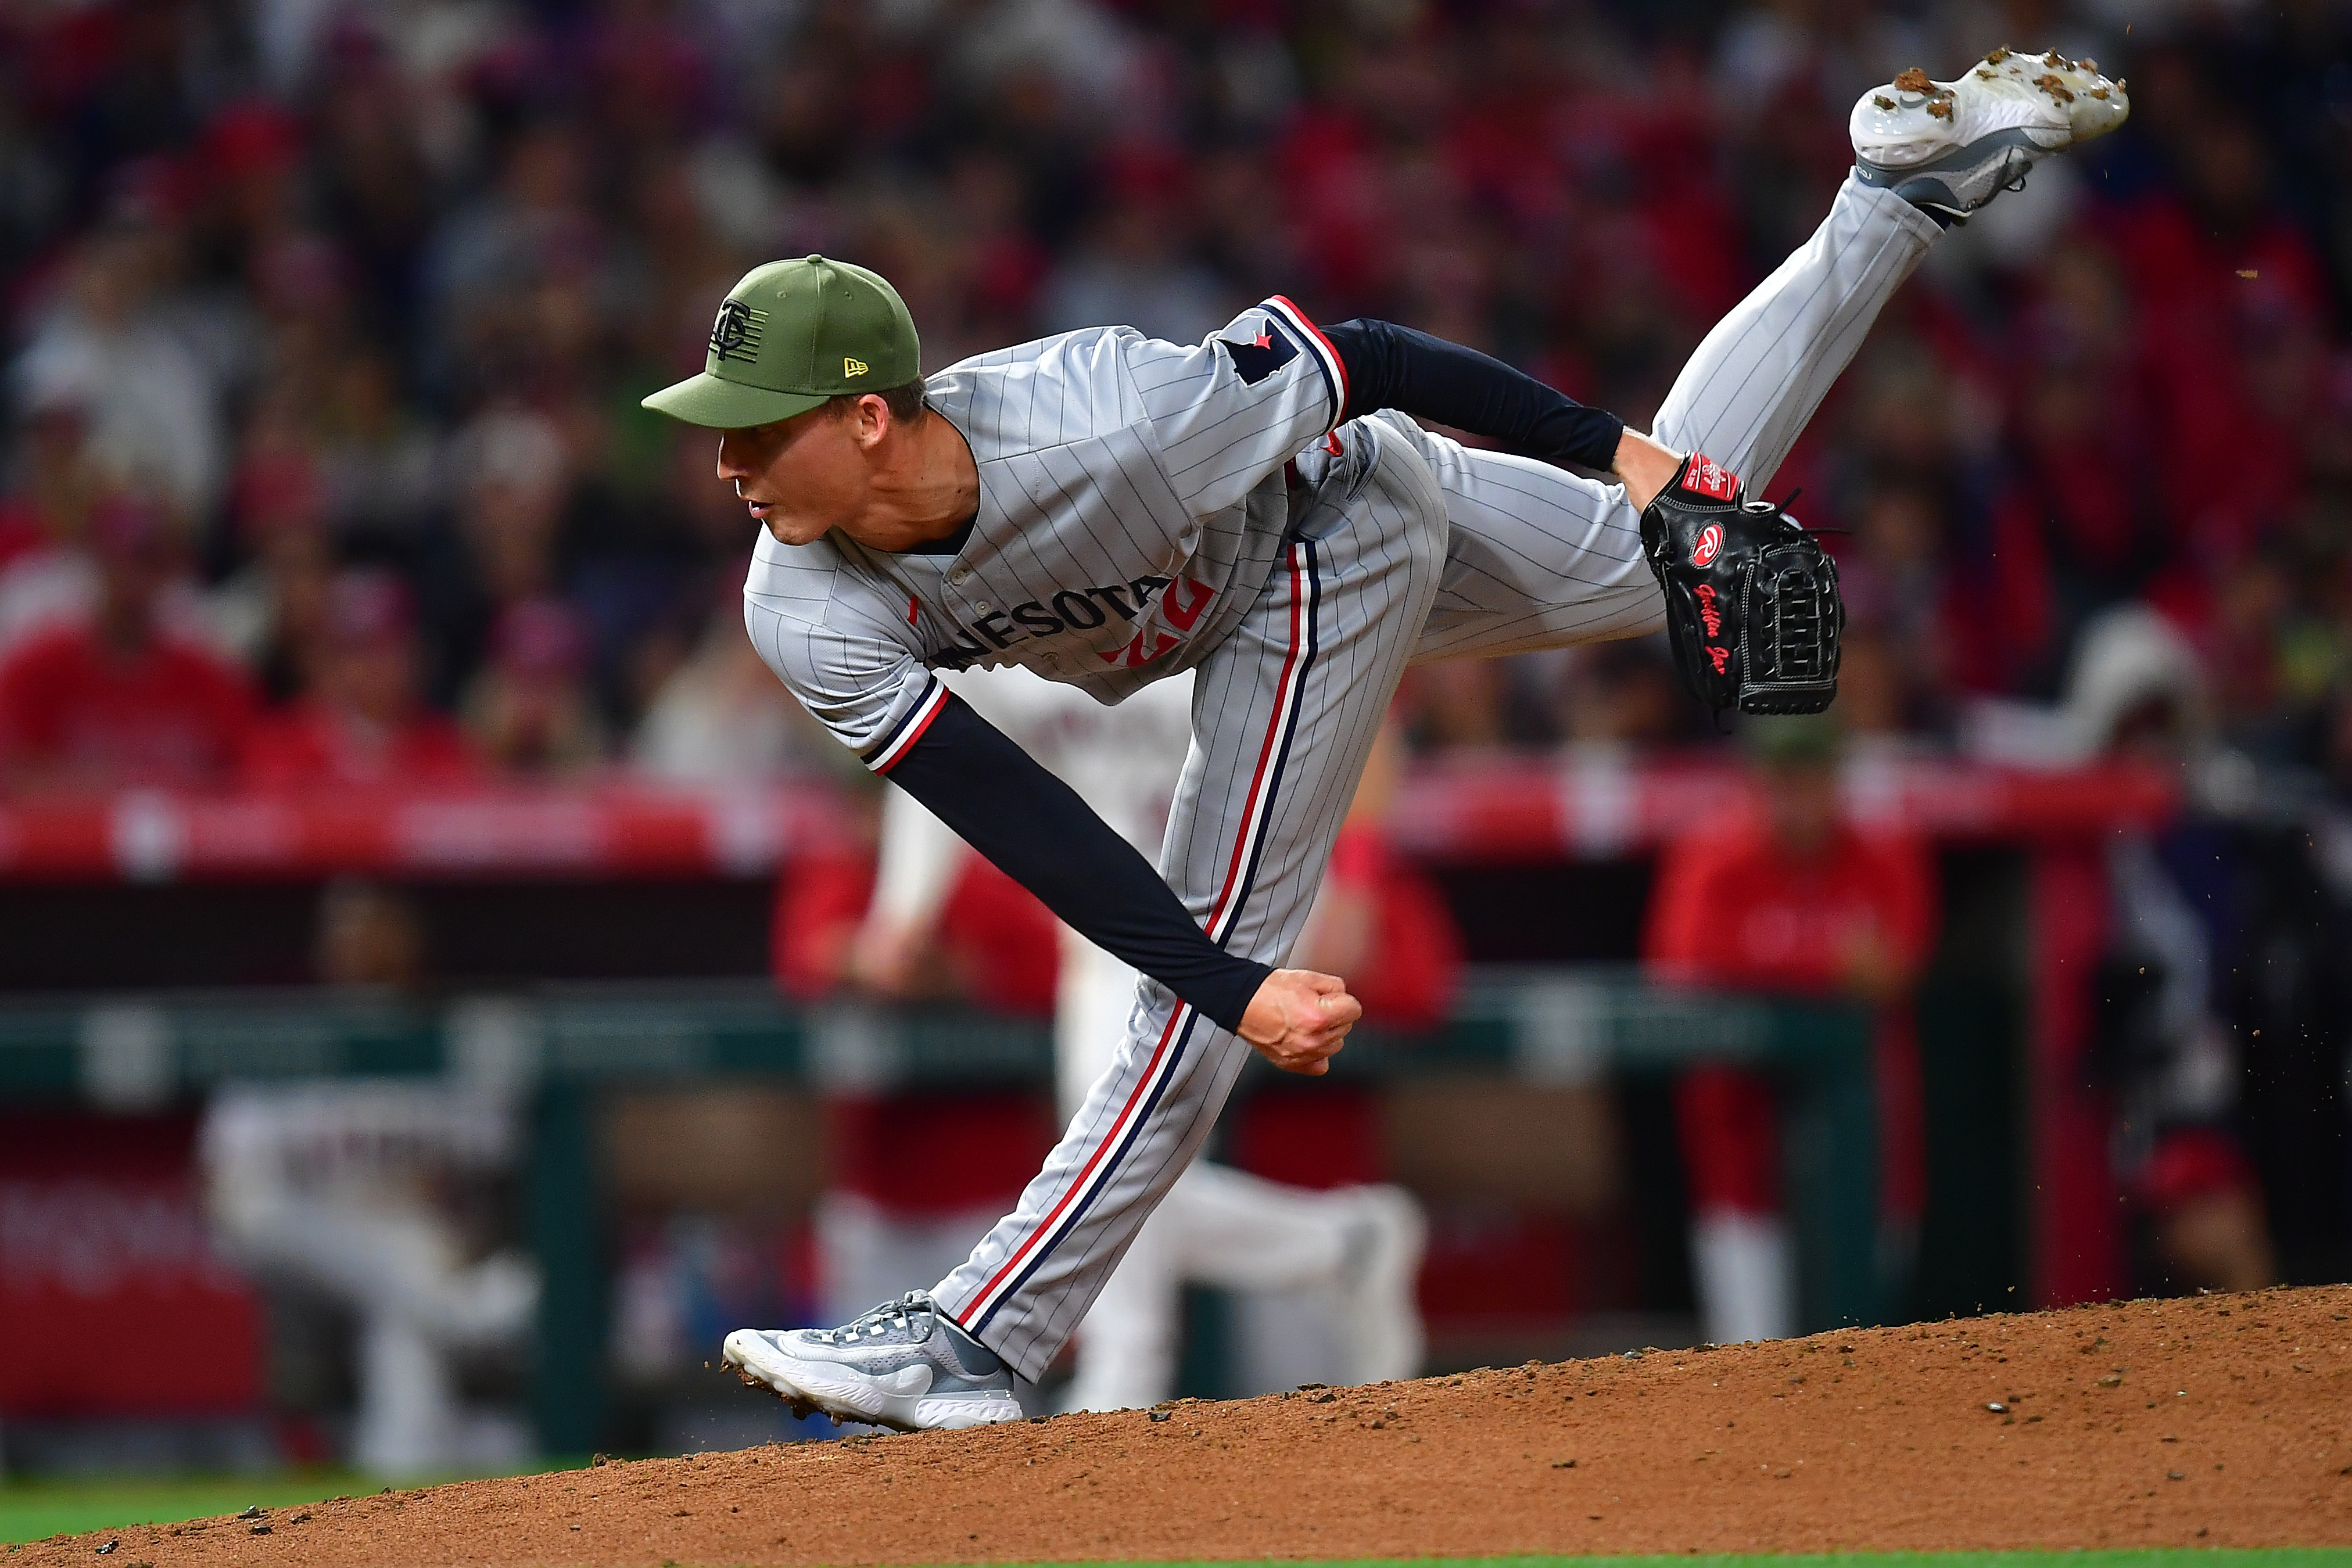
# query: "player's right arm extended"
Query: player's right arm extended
{"points": [[1036, 830]]}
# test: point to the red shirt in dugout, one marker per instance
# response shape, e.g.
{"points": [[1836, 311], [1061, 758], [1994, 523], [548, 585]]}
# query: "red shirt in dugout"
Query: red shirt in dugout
{"points": [[1733, 909]]}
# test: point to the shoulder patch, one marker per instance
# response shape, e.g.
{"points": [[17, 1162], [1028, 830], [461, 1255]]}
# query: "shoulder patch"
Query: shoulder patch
{"points": [[1272, 349]]}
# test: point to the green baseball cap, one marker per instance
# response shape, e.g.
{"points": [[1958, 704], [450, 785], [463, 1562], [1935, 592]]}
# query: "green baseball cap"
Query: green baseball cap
{"points": [[791, 335]]}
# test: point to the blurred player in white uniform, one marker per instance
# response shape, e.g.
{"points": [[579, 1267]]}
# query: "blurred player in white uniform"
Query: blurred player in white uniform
{"points": [[1360, 1246], [336, 1187]]}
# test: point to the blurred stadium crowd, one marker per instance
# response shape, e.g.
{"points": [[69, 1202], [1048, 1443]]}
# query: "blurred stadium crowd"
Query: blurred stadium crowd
{"points": [[327, 324]]}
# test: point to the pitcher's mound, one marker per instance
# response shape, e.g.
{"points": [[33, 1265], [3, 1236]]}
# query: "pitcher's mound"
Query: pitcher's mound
{"points": [[2221, 1420]]}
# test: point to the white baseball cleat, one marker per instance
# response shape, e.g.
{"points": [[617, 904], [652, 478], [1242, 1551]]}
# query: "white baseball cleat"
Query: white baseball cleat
{"points": [[905, 1364], [1950, 147]]}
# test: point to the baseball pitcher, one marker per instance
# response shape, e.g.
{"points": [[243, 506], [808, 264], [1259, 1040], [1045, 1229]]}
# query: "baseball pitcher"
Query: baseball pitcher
{"points": [[1261, 509]]}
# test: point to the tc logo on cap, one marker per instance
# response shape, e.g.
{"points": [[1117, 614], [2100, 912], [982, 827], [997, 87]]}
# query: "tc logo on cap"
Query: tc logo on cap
{"points": [[736, 330]]}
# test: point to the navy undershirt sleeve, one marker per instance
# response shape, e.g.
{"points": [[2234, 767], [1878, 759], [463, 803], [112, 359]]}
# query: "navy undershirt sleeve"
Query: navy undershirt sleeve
{"points": [[1391, 366], [1034, 828]]}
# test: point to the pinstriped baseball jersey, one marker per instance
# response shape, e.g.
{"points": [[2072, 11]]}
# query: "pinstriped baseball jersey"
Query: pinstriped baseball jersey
{"points": [[1131, 508]]}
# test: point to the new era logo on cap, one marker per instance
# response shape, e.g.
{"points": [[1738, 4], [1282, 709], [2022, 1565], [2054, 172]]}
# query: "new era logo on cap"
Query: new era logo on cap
{"points": [[1703, 475], [850, 367]]}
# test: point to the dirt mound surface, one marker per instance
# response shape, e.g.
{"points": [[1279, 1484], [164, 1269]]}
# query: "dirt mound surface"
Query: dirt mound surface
{"points": [[2221, 1420]]}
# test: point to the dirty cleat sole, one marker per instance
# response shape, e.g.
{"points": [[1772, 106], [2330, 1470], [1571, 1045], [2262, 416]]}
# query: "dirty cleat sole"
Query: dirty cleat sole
{"points": [[1951, 147]]}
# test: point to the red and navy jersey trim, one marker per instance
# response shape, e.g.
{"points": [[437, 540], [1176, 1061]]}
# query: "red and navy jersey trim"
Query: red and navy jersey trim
{"points": [[885, 753], [1318, 347]]}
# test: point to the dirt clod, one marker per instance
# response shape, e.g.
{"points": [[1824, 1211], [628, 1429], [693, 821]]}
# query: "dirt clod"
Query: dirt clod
{"points": [[1914, 80], [1906, 1462]]}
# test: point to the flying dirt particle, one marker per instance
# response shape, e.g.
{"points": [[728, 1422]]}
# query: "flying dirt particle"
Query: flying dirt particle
{"points": [[2249, 272]]}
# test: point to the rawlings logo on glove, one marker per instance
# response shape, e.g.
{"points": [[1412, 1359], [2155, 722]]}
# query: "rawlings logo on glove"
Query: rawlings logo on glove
{"points": [[1752, 606]]}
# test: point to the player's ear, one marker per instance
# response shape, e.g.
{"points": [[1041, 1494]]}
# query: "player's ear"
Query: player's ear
{"points": [[869, 420]]}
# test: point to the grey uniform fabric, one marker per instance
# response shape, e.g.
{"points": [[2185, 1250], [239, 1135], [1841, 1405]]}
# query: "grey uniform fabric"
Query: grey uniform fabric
{"points": [[1300, 609], [1131, 505]]}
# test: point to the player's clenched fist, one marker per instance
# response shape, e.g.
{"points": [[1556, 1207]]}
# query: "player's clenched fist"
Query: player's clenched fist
{"points": [[1298, 1018]]}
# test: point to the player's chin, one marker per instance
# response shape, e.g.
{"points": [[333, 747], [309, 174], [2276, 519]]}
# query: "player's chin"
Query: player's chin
{"points": [[786, 529]]}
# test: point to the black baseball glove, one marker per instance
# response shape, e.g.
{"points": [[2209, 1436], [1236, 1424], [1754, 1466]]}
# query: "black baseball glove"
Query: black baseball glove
{"points": [[1752, 606]]}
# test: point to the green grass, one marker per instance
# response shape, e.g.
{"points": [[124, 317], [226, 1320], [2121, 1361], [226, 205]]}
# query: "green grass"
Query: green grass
{"points": [[32, 1509], [2153, 1557]]}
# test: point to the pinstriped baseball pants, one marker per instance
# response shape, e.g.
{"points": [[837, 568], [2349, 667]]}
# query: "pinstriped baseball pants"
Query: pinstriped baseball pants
{"points": [[1408, 547]]}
